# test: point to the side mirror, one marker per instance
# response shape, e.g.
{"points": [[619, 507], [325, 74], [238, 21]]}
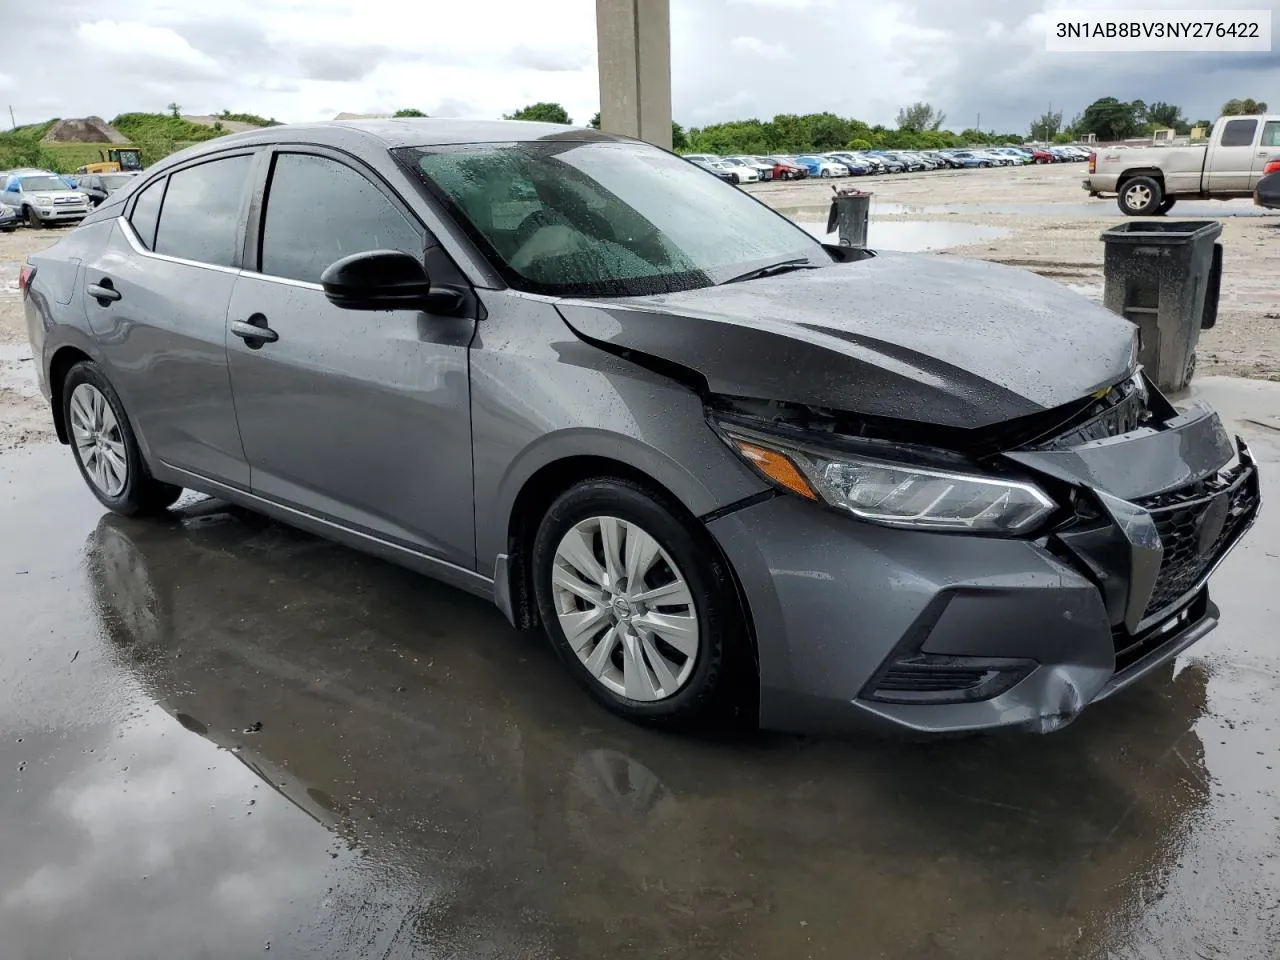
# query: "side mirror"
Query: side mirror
{"points": [[385, 280]]}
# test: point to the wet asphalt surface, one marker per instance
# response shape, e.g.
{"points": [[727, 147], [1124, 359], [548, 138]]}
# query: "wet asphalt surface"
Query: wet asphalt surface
{"points": [[220, 737]]}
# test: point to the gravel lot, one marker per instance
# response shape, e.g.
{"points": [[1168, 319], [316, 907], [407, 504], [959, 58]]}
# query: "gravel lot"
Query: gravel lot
{"points": [[1036, 217]]}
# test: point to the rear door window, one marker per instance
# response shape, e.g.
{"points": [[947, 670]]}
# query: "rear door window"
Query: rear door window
{"points": [[1239, 133], [146, 213], [319, 211], [1271, 134], [200, 219]]}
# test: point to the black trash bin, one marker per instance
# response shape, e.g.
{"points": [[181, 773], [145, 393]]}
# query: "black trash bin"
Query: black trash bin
{"points": [[1164, 276], [850, 216]]}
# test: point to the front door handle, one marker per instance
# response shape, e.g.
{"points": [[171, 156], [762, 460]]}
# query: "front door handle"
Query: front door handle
{"points": [[254, 331], [103, 291]]}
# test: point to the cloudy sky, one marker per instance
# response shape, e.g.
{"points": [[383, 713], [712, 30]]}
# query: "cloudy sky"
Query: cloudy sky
{"points": [[309, 59]]}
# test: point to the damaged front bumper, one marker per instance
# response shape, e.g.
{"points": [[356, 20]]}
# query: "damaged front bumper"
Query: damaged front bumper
{"points": [[859, 625]]}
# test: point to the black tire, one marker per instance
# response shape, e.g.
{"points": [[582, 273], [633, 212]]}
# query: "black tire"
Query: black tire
{"points": [[824, 174], [33, 221], [1166, 205], [142, 494], [723, 667], [1140, 196]]}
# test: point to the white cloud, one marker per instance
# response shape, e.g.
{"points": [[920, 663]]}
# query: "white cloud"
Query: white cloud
{"points": [[782, 4], [754, 46], [144, 46], [309, 59]]}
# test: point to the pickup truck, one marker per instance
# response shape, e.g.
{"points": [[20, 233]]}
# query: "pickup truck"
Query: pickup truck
{"points": [[1149, 180]]}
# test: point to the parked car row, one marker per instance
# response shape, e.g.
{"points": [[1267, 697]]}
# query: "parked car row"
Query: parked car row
{"points": [[41, 198], [845, 163]]}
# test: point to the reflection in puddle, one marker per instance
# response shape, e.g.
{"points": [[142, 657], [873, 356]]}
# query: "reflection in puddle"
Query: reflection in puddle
{"points": [[910, 236]]}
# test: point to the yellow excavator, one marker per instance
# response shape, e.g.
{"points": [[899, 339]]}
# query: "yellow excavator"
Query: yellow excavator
{"points": [[115, 160]]}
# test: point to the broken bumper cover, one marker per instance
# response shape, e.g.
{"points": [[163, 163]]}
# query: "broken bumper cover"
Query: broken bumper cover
{"points": [[861, 627]]}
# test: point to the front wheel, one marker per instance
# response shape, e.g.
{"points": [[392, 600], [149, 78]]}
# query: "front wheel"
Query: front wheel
{"points": [[33, 221], [105, 448], [1140, 197], [638, 604], [825, 174]]}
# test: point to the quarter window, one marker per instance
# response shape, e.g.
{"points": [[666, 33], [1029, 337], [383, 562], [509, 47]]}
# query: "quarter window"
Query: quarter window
{"points": [[1239, 133], [319, 210], [1271, 134], [201, 214], [146, 211]]}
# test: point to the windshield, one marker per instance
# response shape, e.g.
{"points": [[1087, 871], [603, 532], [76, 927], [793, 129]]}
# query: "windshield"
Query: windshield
{"points": [[599, 218], [43, 183]]}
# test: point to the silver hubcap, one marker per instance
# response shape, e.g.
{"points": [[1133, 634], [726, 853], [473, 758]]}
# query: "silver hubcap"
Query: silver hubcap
{"points": [[98, 440], [1138, 196], [625, 609]]}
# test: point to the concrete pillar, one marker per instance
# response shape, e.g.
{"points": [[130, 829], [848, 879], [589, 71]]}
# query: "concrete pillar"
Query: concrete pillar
{"points": [[634, 42]]}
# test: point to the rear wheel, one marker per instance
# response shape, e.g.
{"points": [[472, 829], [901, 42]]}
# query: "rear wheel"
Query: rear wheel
{"points": [[105, 448], [638, 604], [1140, 197]]}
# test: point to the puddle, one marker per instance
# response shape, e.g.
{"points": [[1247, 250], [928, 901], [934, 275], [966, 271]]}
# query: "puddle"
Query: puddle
{"points": [[914, 236], [1197, 209], [17, 369]]}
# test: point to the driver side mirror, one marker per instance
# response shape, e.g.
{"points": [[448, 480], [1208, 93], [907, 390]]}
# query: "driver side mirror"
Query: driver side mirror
{"points": [[385, 280]]}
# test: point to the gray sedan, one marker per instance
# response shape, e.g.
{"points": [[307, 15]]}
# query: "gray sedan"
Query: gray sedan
{"points": [[730, 471]]}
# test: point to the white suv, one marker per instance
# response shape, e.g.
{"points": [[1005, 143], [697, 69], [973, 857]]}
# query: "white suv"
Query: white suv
{"points": [[42, 197]]}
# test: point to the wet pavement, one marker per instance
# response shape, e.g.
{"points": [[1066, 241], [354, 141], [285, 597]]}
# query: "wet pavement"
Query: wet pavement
{"points": [[220, 736], [913, 236]]}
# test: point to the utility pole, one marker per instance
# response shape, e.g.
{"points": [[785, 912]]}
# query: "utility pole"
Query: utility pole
{"points": [[12, 122]]}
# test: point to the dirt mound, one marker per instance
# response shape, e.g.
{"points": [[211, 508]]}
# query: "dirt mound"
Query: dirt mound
{"points": [[85, 130], [231, 126]]}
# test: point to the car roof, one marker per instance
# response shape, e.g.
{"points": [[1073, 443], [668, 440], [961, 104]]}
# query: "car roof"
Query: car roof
{"points": [[410, 132]]}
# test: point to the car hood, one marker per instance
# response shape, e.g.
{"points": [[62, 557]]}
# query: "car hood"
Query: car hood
{"points": [[933, 339]]}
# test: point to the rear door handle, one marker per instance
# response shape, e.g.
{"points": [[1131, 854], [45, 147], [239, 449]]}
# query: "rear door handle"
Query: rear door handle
{"points": [[254, 331], [103, 292]]}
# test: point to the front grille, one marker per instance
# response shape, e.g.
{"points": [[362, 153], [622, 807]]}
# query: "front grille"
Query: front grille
{"points": [[1132, 648], [1196, 524], [1121, 410]]}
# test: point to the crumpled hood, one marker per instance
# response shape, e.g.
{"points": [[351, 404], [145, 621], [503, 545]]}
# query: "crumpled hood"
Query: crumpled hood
{"points": [[934, 339]]}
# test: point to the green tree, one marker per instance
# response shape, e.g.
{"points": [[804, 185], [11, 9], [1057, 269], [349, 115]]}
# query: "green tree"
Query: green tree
{"points": [[827, 131], [1234, 108], [408, 112], [858, 143], [542, 112], [1109, 119], [1047, 125], [174, 110], [679, 139], [594, 122], [920, 116], [1166, 115]]}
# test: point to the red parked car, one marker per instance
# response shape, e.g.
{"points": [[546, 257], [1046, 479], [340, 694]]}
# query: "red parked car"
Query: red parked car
{"points": [[785, 169], [1043, 156]]}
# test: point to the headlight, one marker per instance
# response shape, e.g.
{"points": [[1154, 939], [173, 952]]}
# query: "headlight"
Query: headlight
{"points": [[43, 199], [892, 493]]}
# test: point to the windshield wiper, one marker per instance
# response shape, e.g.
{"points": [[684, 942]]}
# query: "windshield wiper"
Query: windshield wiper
{"points": [[773, 269]]}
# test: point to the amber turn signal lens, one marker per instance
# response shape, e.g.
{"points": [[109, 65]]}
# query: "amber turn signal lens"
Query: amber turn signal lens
{"points": [[777, 468]]}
